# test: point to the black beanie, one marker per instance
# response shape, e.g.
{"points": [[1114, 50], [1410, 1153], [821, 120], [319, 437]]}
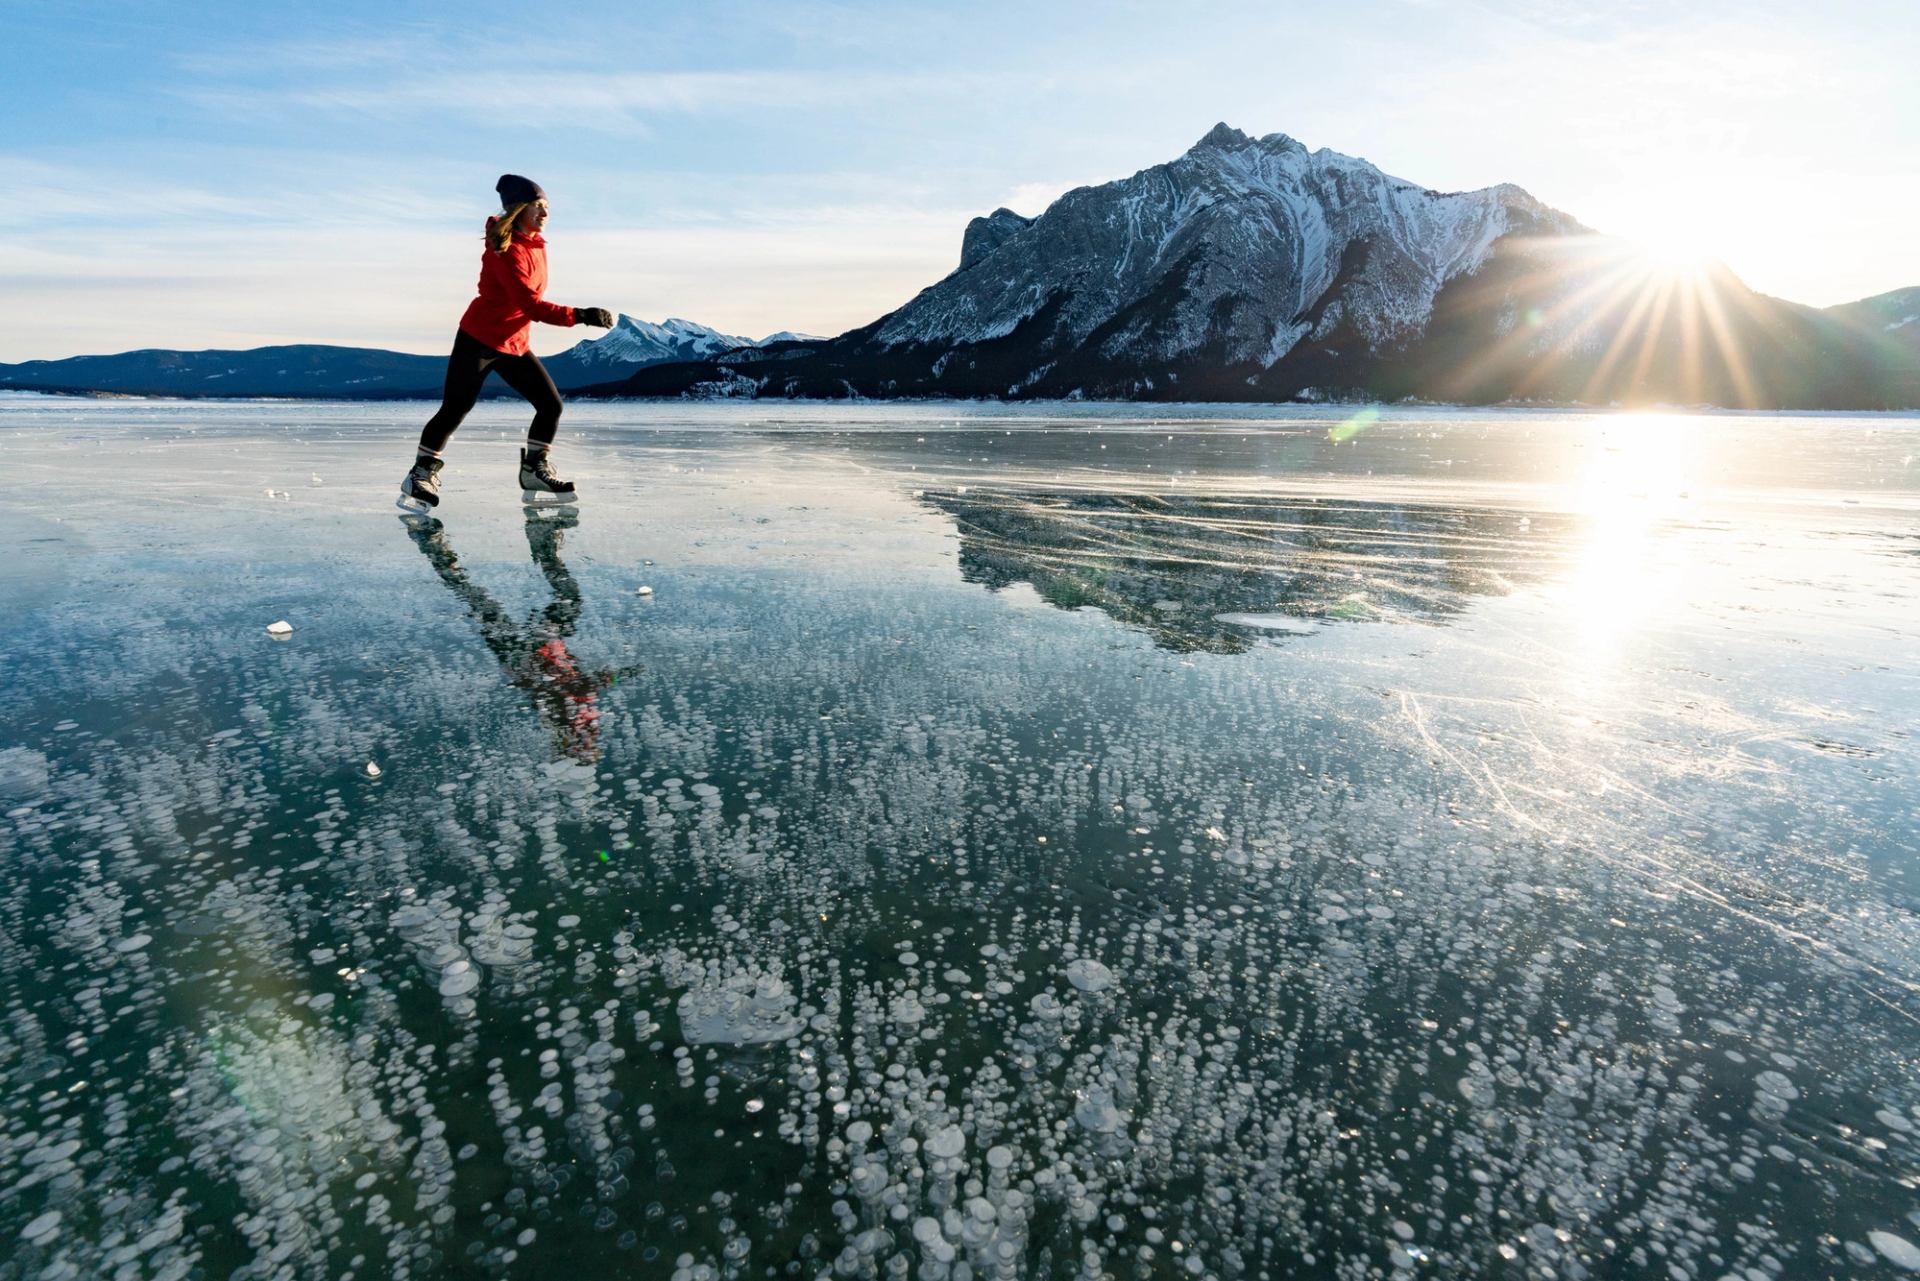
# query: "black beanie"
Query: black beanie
{"points": [[515, 190]]}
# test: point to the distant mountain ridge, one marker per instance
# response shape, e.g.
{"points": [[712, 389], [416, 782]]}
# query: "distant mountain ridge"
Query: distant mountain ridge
{"points": [[359, 372], [1245, 269], [1255, 269]]}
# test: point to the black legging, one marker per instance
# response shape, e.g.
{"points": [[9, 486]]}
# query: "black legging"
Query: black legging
{"points": [[467, 369]]}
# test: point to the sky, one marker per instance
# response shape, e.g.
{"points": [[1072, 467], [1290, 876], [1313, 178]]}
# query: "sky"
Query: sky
{"points": [[238, 174]]}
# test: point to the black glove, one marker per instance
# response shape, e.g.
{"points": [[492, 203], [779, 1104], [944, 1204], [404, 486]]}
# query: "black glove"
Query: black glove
{"points": [[598, 317]]}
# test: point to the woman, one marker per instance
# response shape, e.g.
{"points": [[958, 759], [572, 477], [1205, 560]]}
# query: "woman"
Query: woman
{"points": [[493, 336]]}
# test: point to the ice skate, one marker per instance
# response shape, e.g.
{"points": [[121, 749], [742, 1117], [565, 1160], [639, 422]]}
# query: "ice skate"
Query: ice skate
{"points": [[420, 491], [540, 486]]}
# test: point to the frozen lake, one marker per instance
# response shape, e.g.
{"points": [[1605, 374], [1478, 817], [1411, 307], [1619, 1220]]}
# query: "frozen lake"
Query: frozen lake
{"points": [[1133, 842]]}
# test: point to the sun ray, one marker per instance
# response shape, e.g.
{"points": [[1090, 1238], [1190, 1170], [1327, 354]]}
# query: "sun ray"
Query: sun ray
{"points": [[1653, 292], [1727, 343], [1610, 276]]}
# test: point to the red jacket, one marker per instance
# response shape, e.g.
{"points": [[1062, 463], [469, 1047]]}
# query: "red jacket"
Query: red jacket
{"points": [[511, 283]]}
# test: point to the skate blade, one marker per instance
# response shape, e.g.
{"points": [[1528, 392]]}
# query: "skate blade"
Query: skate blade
{"points": [[541, 498], [553, 516], [413, 506]]}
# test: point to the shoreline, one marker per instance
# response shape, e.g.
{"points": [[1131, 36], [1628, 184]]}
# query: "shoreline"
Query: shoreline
{"points": [[1332, 406]]}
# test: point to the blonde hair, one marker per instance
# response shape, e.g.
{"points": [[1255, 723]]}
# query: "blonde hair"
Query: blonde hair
{"points": [[500, 229]]}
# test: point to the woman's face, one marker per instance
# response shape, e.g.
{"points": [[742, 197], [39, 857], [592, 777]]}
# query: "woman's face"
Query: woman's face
{"points": [[533, 217]]}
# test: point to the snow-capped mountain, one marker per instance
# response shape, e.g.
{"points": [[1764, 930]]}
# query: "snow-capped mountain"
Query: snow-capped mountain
{"points": [[1255, 269], [636, 344], [633, 343], [1234, 248]]}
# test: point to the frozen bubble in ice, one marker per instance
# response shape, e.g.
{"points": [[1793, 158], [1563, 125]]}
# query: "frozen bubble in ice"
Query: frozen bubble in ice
{"points": [[947, 1141], [133, 943], [458, 979], [42, 1228], [373, 770], [859, 1132], [1089, 975], [907, 1009], [282, 628], [909, 958], [999, 1156], [1775, 1085], [1898, 1251], [23, 773], [1893, 1121], [1096, 1112], [567, 922], [572, 776], [743, 1010], [411, 916], [1477, 1087]]}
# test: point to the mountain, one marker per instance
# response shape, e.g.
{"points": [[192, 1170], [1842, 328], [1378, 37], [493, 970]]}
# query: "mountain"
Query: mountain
{"points": [[359, 372], [1255, 269], [633, 344], [302, 370], [1891, 320]]}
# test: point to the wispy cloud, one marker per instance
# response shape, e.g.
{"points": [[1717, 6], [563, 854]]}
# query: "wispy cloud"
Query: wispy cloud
{"points": [[621, 102]]}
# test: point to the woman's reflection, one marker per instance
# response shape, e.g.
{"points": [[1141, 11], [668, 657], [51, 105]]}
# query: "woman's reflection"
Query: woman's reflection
{"points": [[534, 653]]}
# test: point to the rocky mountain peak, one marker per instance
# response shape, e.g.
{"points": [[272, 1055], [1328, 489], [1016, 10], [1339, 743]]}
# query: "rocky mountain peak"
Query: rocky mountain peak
{"points": [[984, 235], [1222, 137]]}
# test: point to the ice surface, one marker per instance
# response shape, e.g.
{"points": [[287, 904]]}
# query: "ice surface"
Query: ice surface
{"points": [[949, 885]]}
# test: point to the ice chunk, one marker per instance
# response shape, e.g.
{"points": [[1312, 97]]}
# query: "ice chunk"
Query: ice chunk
{"points": [[281, 628], [1284, 623]]}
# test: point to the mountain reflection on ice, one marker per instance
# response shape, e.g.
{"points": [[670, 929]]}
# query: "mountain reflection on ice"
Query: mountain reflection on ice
{"points": [[1202, 572], [897, 927]]}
